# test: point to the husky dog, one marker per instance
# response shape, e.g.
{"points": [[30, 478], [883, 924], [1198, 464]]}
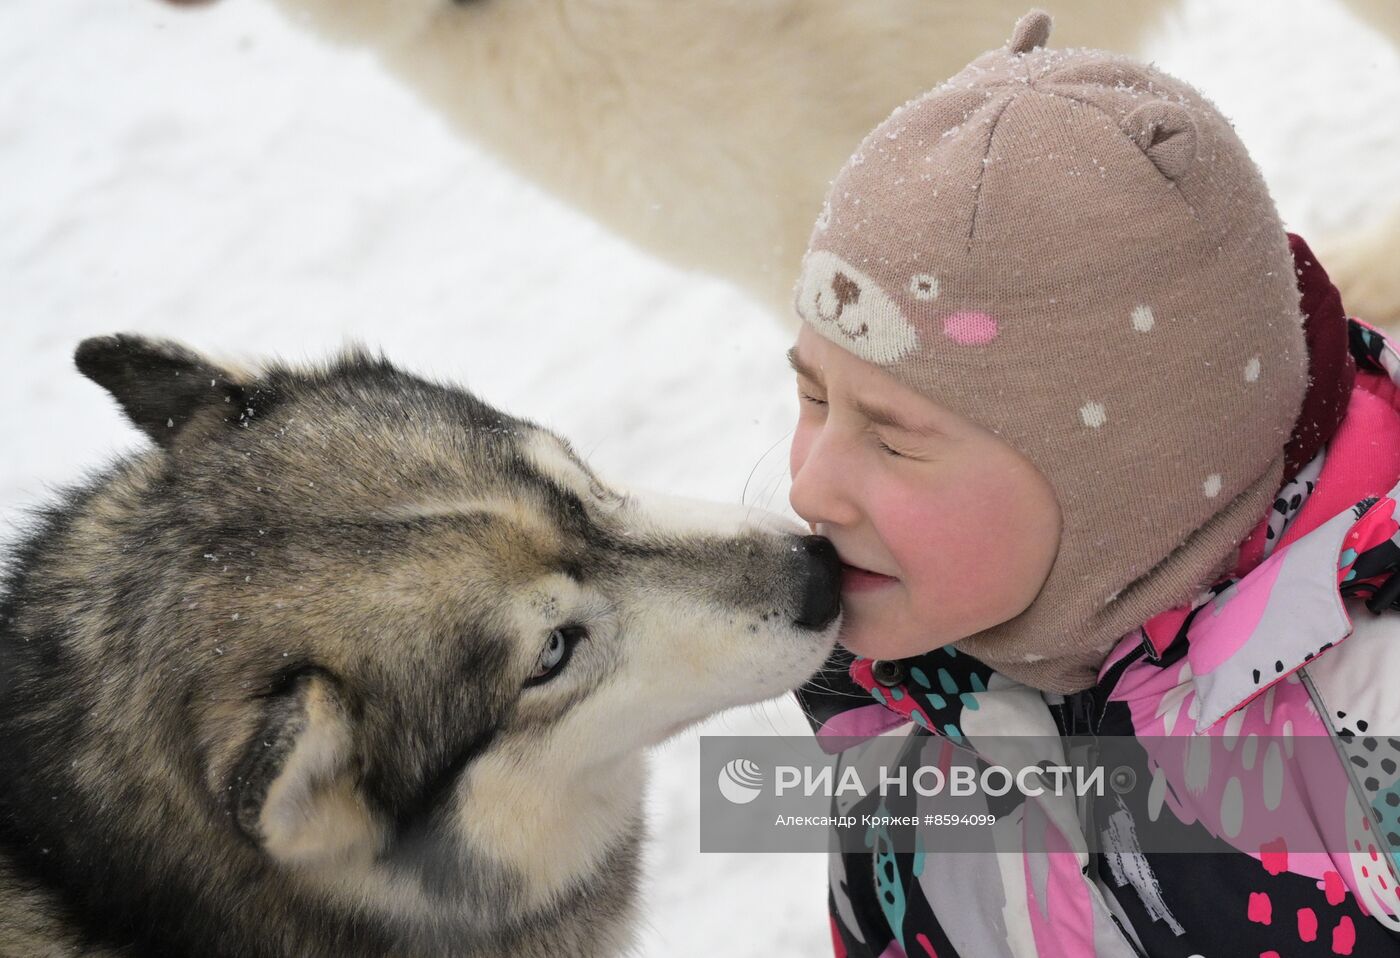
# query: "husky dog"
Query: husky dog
{"points": [[707, 131], [351, 663]]}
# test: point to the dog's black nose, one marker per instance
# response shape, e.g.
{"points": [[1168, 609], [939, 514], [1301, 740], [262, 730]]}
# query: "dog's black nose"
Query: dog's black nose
{"points": [[821, 586]]}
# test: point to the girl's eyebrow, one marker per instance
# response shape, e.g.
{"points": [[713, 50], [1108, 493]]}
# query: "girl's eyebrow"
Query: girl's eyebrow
{"points": [[802, 369], [881, 416], [878, 415]]}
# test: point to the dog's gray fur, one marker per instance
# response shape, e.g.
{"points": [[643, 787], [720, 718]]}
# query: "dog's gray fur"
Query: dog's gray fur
{"points": [[263, 688]]}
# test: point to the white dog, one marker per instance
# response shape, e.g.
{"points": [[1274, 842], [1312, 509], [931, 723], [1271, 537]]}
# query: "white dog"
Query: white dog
{"points": [[707, 131]]}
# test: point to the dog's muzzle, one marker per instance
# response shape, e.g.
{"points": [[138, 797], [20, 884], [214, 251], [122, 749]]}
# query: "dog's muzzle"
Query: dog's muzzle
{"points": [[821, 584]]}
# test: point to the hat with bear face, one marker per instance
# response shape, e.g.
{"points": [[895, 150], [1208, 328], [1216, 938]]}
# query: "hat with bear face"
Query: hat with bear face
{"points": [[1075, 251]]}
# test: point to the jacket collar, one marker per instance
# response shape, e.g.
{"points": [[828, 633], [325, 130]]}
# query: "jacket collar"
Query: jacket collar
{"points": [[1264, 627]]}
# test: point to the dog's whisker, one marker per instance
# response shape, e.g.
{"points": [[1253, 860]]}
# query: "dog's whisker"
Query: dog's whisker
{"points": [[744, 495]]}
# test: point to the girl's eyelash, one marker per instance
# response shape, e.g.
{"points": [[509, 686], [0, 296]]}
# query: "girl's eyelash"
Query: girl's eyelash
{"points": [[891, 451], [811, 399]]}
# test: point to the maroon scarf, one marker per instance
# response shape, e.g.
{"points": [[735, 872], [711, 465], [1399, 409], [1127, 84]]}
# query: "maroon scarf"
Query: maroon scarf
{"points": [[1331, 369]]}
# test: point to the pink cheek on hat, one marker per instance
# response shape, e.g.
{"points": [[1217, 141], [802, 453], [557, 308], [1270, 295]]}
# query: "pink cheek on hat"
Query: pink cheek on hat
{"points": [[970, 329]]}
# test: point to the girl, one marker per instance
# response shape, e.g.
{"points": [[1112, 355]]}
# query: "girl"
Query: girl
{"points": [[1095, 467]]}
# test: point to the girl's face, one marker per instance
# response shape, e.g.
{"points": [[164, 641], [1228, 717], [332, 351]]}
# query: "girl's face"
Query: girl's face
{"points": [[944, 530]]}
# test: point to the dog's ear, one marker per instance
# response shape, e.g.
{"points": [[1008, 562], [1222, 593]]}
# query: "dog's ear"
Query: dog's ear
{"points": [[295, 792], [160, 385]]}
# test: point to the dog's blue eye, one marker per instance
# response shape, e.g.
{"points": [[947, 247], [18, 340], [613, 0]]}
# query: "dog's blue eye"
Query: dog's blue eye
{"points": [[557, 651]]}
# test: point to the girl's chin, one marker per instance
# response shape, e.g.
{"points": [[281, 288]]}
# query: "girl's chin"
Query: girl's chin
{"points": [[875, 643], [868, 637]]}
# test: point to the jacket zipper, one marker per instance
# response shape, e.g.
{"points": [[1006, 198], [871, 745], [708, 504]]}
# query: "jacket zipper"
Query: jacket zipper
{"points": [[1357, 792], [1080, 716]]}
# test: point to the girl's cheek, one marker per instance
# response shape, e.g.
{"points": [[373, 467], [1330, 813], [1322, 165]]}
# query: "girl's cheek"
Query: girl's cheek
{"points": [[905, 513], [911, 508], [932, 532]]}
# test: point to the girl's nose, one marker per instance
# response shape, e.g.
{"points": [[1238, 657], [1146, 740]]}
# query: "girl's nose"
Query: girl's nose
{"points": [[823, 489]]}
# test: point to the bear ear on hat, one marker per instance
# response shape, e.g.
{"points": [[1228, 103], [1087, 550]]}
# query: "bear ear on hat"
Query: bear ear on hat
{"points": [[1031, 31], [1166, 134]]}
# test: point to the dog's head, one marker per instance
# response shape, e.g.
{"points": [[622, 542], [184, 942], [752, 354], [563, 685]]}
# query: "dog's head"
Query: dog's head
{"points": [[394, 613]]}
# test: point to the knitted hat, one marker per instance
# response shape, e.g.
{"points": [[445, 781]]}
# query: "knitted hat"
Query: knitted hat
{"points": [[1075, 251]]}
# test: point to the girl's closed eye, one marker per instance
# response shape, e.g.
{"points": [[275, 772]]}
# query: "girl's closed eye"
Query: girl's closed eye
{"points": [[895, 449]]}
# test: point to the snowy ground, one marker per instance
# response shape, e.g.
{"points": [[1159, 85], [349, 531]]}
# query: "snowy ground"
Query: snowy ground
{"points": [[218, 177]]}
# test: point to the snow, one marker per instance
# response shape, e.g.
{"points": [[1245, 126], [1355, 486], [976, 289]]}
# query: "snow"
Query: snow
{"points": [[218, 177]]}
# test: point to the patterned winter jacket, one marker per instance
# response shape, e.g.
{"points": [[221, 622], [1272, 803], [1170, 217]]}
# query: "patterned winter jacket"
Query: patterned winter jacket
{"points": [[1292, 645]]}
